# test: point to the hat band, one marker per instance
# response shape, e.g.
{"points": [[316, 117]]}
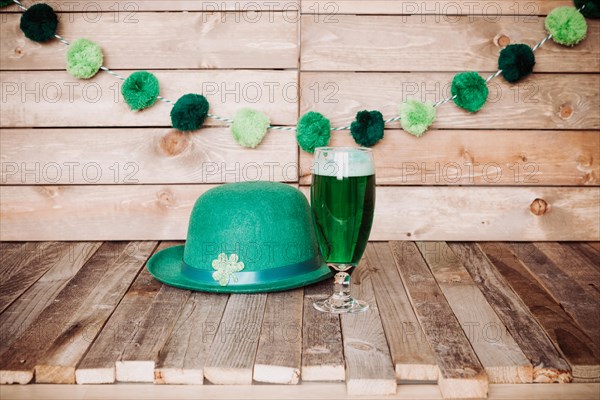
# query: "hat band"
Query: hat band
{"points": [[252, 277]]}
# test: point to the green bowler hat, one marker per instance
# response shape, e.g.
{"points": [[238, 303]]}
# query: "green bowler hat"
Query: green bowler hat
{"points": [[245, 238]]}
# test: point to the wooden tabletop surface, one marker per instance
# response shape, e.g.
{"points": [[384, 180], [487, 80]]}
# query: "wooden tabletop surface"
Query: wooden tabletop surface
{"points": [[467, 319]]}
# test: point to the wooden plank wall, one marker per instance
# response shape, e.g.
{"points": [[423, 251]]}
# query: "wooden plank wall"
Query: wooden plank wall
{"points": [[76, 164]]}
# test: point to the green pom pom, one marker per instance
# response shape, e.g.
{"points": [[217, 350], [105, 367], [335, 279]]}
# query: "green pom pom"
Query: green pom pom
{"points": [[591, 9], [189, 113], [567, 26], [84, 59], [516, 61], [313, 130], [367, 128], [4, 3], [416, 117], [140, 90], [471, 91], [39, 22], [249, 127]]}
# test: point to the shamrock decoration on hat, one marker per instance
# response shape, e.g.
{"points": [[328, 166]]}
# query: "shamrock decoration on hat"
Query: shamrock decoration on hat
{"points": [[226, 268]]}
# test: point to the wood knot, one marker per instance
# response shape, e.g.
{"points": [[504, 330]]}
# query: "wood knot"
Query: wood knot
{"points": [[589, 178], [585, 160], [538, 207], [467, 156], [360, 346], [19, 51], [372, 268], [51, 191], [565, 111], [501, 40], [165, 198], [174, 143]]}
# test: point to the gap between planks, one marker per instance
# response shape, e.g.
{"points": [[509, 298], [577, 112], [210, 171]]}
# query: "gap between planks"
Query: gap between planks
{"points": [[54, 343], [578, 349], [99, 363], [21, 313], [278, 358], [411, 353], [503, 360], [548, 364], [322, 348], [369, 368], [461, 373], [231, 357]]}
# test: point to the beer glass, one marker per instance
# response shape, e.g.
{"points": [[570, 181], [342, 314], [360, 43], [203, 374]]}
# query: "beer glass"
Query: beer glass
{"points": [[342, 199]]}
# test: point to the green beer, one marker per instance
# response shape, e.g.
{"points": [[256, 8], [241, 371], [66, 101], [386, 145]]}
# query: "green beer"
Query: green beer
{"points": [[343, 214], [342, 200]]}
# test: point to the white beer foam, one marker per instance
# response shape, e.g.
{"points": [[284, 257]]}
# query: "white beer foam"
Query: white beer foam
{"points": [[343, 163]]}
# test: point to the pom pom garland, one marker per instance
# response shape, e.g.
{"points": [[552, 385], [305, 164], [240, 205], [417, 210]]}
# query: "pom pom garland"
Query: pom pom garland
{"points": [[140, 90], [566, 25], [416, 117], [313, 130], [516, 61], [84, 59], [249, 127], [591, 8], [471, 91], [367, 128], [189, 113], [39, 22]]}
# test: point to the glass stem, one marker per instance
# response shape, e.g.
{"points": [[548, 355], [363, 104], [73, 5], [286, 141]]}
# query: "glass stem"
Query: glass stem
{"points": [[341, 291]]}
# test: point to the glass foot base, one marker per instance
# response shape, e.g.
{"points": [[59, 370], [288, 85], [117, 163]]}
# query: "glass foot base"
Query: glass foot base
{"points": [[349, 305]]}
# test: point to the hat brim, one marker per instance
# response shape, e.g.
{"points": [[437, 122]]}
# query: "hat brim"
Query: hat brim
{"points": [[165, 266]]}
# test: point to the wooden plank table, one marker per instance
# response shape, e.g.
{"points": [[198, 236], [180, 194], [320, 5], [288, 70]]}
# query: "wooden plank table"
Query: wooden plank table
{"points": [[432, 306]]}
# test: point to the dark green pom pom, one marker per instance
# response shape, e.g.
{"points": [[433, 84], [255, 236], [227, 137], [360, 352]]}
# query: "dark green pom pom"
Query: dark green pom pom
{"points": [[140, 90], [471, 91], [591, 9], [313, 130], [367, 128], [189, 113], [39, 22], [4, 3], [516, 61]]}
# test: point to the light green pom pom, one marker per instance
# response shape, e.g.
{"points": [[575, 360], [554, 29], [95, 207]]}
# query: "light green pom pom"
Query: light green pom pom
{"points": [[249, 127], [416, 117], [84, 59], [567, 26]]}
